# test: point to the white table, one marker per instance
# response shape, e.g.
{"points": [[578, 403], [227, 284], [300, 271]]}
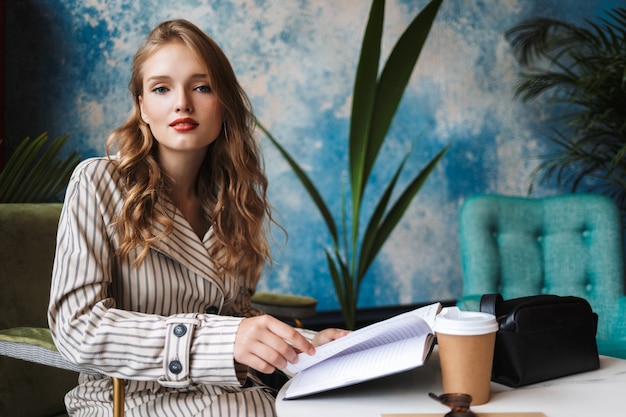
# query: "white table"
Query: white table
{"points": [[600, 393]]}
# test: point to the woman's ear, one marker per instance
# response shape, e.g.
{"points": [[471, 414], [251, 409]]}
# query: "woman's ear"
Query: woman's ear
{"points": [[143, 115]]}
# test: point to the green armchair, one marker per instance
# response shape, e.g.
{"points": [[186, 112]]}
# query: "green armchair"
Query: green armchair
{"points": [[564, 245], [34, 377], [27, 241]]}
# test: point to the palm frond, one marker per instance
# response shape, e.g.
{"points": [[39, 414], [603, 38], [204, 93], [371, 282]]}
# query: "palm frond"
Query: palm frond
{"points": [[581, 69], [35, 173]]}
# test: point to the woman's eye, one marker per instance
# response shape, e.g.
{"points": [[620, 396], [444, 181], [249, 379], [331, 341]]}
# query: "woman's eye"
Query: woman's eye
{"points": [[159, 90], [203, 88]]}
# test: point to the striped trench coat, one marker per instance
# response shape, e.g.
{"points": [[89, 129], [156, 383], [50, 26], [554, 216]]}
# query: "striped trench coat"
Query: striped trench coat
{"points": [[167, 327]]}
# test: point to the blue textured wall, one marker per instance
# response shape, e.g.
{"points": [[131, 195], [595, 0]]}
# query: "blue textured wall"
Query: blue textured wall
{"points": [[68, 63]]}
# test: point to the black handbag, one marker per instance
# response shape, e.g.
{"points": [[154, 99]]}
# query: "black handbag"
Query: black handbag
{"points": [[541, 337]]}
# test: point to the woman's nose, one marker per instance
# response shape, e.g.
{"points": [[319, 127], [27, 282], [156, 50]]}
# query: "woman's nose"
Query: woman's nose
{"points": [[183, 104]]}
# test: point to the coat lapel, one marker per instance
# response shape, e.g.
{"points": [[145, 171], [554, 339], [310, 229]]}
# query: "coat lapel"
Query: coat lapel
{"points": [[184, 246]]}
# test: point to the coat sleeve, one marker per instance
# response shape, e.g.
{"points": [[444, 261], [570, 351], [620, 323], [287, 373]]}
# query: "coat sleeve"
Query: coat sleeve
{"points": [[86, 323], [242, 305]]}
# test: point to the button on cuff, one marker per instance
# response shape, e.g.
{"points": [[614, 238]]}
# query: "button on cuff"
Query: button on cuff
{"points": [[175, 367], [180, 330]]}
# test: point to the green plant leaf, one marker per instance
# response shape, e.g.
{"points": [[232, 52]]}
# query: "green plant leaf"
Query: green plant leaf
{"points": [[343, 287], [15, 172], [37, 179], [396, 212], [363, 97], [308, 185], [338, 283], [369, 235], [34, 173], [394, 79]]}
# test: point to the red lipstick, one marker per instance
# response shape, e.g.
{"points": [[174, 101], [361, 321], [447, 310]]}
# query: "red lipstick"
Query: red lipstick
{"points": [[184, 124]]}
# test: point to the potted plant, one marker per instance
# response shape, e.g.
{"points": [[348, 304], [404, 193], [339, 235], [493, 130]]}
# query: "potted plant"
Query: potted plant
{"points": [[582, 71], [34, 174], [374, 103]]}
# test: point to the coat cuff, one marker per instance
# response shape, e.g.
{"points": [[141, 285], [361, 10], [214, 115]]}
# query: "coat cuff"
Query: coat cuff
{"points": [[176, 356], [213, 350]]}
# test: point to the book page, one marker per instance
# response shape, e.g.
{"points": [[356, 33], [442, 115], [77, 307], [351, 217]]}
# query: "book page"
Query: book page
{"points": [[407, 325], [361, 366], [394, 345]]}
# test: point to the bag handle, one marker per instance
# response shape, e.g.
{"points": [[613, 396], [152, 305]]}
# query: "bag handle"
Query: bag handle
{"points": [[490, 303], [495, 304]]}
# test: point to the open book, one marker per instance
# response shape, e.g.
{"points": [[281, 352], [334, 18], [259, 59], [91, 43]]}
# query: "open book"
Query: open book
{"points": [[394, 345]]}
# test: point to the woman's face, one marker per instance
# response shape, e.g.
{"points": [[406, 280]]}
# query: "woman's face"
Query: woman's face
{"points": [[178, 102]]}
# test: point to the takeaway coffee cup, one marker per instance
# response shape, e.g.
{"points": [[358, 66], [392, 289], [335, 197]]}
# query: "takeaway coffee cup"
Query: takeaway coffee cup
{"points": [[466, 342]]}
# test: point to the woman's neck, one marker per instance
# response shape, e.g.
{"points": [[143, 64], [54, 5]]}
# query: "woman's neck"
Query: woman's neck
{"points": [[184, 174]]}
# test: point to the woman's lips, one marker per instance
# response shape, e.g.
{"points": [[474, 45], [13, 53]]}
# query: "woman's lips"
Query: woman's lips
{"points": [[183, 125]]}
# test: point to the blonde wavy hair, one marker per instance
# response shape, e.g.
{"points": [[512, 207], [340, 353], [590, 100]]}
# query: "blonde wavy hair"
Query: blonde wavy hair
{"points": [[231, 183]]}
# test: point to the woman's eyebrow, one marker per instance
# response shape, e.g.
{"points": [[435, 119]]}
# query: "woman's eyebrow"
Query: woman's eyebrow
{"points": [[157, 78]]}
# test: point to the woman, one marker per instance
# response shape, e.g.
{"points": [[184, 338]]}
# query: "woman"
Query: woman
{"points": [[160, 247]]}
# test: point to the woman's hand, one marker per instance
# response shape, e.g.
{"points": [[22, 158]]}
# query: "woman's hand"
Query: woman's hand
{"points": [[328, 335], [266, 343]]}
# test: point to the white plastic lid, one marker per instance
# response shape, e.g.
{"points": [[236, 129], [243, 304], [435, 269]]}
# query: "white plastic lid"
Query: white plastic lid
{"points": [[451, 320]]}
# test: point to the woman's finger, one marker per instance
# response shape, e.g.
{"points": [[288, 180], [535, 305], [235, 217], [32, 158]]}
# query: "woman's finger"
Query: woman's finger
{"points": [[264, 342], [328, 335]]}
